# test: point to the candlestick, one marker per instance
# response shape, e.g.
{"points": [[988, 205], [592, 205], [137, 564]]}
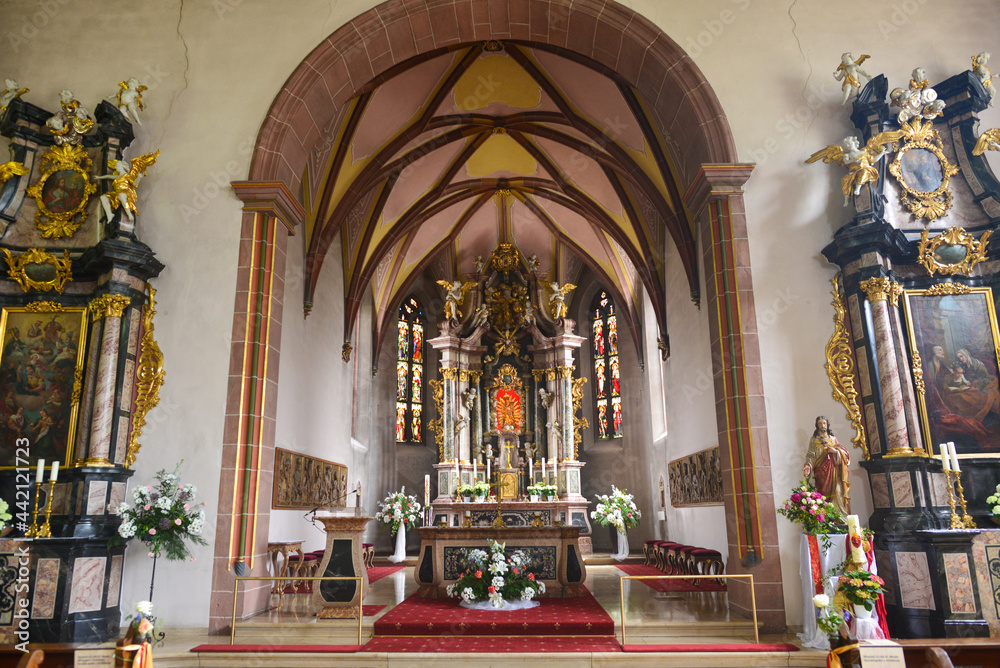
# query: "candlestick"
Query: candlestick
{"points": [[33, 529], [945, 457], [956, 522], [40, 472], [55, 472], [488, 478], [46, 531]]}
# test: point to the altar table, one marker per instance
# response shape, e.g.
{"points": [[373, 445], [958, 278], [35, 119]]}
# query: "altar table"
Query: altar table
{"points": [[553, 551], [517, 514]]}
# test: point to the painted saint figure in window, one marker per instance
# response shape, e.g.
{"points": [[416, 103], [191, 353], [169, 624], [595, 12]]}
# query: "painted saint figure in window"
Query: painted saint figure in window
{"points": [[409, 372], [607, 374]]}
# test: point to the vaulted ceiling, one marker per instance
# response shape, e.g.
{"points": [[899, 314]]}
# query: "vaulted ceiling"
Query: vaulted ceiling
{"points": [[443, 158]]}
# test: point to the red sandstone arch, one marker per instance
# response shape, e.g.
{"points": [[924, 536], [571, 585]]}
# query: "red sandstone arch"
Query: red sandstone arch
{"points": [[358, 56]]}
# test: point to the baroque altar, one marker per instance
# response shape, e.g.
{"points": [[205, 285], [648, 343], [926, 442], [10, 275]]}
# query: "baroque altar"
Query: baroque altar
{"points": [[507, 398]]}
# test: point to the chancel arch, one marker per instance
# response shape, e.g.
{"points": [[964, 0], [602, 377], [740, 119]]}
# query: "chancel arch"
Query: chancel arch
{"points": [[412, 167]]}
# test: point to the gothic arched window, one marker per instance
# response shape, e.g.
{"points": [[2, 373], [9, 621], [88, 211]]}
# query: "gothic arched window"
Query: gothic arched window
{"points": [[409, 372], [607, 375]]}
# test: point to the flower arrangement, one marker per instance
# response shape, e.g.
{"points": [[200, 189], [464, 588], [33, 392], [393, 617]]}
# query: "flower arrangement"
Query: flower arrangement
{"points": [[398, 509], [164, 517], [479, 488], [829, 618], [993, 502], [812, 510], [861, 587], [541, 489], [143, 622], [495, 577], [4, 515], [617, 510]]}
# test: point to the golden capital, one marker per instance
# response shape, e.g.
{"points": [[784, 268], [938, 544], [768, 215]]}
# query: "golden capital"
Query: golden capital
{"points": [[567, 371], [463, 375], [449, 373], [880, 288], [109, 306], [475, 376]]}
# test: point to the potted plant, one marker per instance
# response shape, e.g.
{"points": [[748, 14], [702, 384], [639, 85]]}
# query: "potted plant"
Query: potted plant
{"points": [[466, 492], [993, 502], [480, 490], [497, 578], [862, 589], [400, 512], [619, 511], [537, 491]]}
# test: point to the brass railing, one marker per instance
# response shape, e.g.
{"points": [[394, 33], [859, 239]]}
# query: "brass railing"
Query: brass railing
{"points": [[753, 597], [236, 591]]}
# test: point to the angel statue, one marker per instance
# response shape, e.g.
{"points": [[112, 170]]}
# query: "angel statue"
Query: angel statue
{"points": [[849, 72], [10, 91], [126, 179], [545, 397], [469, 399], [860, 162], [480, 317], [988, 141], [557, 300], [9, 170], [454, 296], [978, 68], [479, 264], [130, 99], [461, 422], [532, 264], [72, 122]]}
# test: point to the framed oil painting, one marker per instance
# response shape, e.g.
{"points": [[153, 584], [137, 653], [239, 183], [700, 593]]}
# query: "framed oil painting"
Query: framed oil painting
{"points": [[41, 371], [954, 340], [304, 482], [696, 480]]}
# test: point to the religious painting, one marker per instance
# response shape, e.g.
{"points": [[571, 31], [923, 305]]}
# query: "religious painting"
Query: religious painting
{"points": [[409, 371], [607, 374], [304, 482], [696, 480], [954, 340], [41, 368], [921, 170]]}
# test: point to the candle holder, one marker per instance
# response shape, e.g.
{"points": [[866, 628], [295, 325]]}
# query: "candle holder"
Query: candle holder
{"points": [[46, 530], [967, 521], [956, 521], [32, 531]]}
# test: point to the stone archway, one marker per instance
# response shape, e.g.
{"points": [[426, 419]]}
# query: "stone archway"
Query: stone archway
{"points": [[296, 132]]}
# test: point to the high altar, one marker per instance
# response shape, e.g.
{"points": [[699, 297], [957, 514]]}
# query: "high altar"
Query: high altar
{"points": [[507, 399]]}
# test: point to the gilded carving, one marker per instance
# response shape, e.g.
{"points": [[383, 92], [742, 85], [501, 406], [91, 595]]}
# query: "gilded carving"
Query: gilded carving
{"points": [[475, 376], [149, 376], [77, 385], [923, 175], [951, 252], [449, 373], [44, 307], [39, 270], [566, 371], [879, 289], [840, 367], [109, 306], [463, 375], [918, 372], [62, 206], [949, 289], [578, 422], [346, 350], [504, 257], [437, 396]]}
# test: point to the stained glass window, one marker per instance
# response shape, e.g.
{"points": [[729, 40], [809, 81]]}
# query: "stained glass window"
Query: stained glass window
{"points": [[607, 374], [409, 372]]}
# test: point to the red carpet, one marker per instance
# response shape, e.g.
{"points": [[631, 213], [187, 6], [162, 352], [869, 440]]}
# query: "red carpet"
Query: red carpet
{"points": [[493, 644], [321, 649], [735, 647], [443, 617], [379, 572], [669, 585]]}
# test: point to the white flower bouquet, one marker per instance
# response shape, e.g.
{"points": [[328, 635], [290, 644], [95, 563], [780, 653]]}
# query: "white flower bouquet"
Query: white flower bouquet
{"points": [[617, 510], [398, 509]]}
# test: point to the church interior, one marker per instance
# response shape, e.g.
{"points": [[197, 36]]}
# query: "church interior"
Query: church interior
{"points": [[699, 294]]}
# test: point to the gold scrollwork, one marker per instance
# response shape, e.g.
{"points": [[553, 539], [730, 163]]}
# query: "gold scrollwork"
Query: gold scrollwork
{"points": [[109, 306], [923, 175], [578, 422], [346, 350], [881, 288], [918, 373], [951, 252], [77, 385], [550, 374], [149, 375], [39, 270], [62, 207], [941, 289], [840, 367], [504, 257], [44, 307], [436, 425]]}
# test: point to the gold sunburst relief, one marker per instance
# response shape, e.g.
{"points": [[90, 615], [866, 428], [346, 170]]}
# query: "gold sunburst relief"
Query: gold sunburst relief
{"points": [[63, 191], [923, 171]]}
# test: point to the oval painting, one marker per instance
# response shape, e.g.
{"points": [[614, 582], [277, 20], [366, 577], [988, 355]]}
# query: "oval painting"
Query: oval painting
{"points": [[921, 170]]}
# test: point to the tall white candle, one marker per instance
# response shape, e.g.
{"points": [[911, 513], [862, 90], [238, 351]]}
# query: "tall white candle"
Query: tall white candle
{"points": [[488, 471], [475, 470], [427, 490], [954, 458], [531, 472], [543, 472], [55, 472], [945, 457], [555, 471], [40, 471], [854, 529]]}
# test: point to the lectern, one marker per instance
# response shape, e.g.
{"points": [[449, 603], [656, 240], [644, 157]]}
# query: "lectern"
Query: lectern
{"points": [[344, 558]]}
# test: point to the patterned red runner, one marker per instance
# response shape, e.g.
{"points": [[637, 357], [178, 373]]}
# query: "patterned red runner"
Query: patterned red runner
{"points": [[669, 585], [443, 616], [493, 644]]}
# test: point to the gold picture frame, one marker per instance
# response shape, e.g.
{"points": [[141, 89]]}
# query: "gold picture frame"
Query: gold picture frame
{"points": [[63, 191], [955, 342], [39, 270], [953, 251], [41, 375], [923, 171]]}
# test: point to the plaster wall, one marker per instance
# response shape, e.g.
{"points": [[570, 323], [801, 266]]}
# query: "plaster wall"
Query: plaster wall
{"points": [[212, 71]]}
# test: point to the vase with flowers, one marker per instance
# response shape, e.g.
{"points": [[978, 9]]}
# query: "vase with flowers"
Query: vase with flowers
{"points": [[816, 514], [619, 511], [136, 648], [496, 580], [862, 589], [401, 512]]}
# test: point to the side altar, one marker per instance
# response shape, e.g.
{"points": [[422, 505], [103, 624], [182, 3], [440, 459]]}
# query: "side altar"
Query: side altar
{"points": [[507, 399]]}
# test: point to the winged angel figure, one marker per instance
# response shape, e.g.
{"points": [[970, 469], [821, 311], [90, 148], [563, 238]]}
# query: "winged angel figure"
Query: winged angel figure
{"points": [[9, 170], [126, 179], [860, 162], [557, 300], [454, 296]]}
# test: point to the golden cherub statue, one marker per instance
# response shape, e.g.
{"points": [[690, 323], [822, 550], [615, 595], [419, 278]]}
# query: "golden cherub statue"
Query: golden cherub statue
{"points": [[860, 162], [454, 296], [988, 141], [125, 181], [9, 170], [557, 300]]}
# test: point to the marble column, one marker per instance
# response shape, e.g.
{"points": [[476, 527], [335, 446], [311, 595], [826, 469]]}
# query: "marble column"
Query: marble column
{"points": [[906, 378], [448, 413], [564, 447], [110, 308], [82, 446], [880, 290]]}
